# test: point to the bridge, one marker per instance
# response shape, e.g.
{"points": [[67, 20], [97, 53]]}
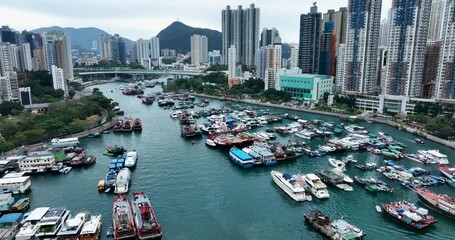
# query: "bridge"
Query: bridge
{"points": [[124, 70]]}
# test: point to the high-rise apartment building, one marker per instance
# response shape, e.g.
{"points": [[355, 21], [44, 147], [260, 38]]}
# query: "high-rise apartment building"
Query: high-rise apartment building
{"points": [[58, 79], [199, 49], [435, 27], [446, 70], [113, 48], [155, 51], [384, 32], [359, 62], [57, 51], [328, 46], [240, 27], [25, 57], [232, 62], [148, 52], [340, 24], [294, 58], [6, 59], [214, 57], [272, 65], [270, 37], [310, 34], [430, 68], [407, 40], [133, 52], [5, 89]]}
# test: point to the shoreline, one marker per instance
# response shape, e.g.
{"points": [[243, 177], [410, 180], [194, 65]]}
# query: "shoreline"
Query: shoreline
{"points": [[376, 120]]}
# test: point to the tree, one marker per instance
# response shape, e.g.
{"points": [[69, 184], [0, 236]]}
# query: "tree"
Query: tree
{"points": [[326, 97], [217, 67]]}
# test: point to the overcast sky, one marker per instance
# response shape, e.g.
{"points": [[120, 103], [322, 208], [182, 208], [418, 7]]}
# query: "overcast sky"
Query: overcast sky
{"points": [[145, 18]]}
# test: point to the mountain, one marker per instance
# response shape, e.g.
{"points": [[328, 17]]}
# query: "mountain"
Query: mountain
{"points": [[177, 36], [81, 37]]}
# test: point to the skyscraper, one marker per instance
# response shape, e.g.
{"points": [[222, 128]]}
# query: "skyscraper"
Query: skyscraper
{"points": [[214, 57], [199, 49], [446, 70], [383, 32], [57, 51], [232, 62], [133, 52], [58, 79], [294, 58], [113, 48], [359, 62], [272, 65], [5, 89], [6, 62], [430, 68], [310, 33], [408, 30], [340, 21], [270, 37], [148, 52], [240, 28], [155, 51], [25, 57], [328, 46], [435, 27]]}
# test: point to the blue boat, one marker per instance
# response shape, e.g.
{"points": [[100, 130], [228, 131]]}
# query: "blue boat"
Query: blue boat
{"points": [[241, 158], [6, 201], [267, 158]]}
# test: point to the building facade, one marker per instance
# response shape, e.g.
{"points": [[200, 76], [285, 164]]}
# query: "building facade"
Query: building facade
{"points": [[310, 34], [58, 79], [435, 27], [199, 49], [148, 52], [5, 89], [359, 62], [304, 86], [446, 71], [272, 65], [270, 37], [113, 48], [25, 96], [383, 33], [328, 48], [340, 24], [430, 68], [232, 62], [408, 31], [240, 27], [214, 57], [57, 51]]}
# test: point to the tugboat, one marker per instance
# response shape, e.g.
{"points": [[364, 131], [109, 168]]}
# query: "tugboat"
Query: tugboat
{"points": [[409, 214], [137, 126], [441, 203], [122, 218], [335, 230], [144, 217]]}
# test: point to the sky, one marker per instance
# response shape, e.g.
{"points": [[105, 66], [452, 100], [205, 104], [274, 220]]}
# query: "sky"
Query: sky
{"points": [[136, 19]]}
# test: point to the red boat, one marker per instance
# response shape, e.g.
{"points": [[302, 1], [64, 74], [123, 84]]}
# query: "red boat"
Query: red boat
{"points": [[127, 125], [144, 217], [118, 126], [447, 171], [409, 214], [137, 126], [441, 203], [227, 140], [122, 218]]}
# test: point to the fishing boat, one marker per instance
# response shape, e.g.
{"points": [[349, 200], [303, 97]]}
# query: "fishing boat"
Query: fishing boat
{"points": [[409, 214], [131, 159], [30, 226], [318, 188], [355, 129], [118, 126], [6, 201], [449, 172], [127, 125], [335, 230], [337, 163], [190, 131], [122, 218], [137, 125], [122, 182], [373, 185], [241, 158], [336, 178], [147, 99], [115, 150], [91, 229], [441, 203], [144, 217], [21, 205], [90, 159], [210, 142], [72, 227], [367, 166], [290, 186]]}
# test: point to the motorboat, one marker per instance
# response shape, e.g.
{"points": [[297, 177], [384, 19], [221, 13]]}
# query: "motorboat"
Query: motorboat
{"points": [[346, 178], [355, 129], [122, 182], [122, 218], [290, 186], [144, 217], [210, 142], [318, 188], [337, 164], [131, 159], [435, 155], [72, 227], [66, 170], [91, 229]]}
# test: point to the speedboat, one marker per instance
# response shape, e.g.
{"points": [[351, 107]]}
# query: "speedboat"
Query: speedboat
{"points": [[72, 227], [318, 188], [290, 186], [346, 178], [144, 217], [131, 159], [337, 164], [210, 142], [122, 182]]}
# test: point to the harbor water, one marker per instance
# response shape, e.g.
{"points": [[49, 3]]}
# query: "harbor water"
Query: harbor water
{"points": [[197, 193]]}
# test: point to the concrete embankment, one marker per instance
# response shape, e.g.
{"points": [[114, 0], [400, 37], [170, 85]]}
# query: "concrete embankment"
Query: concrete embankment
{"points": [[383, 121]]}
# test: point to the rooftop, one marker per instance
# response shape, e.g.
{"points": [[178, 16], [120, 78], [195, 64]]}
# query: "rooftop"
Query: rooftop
{"points": [[37, 214], [13, 180]]}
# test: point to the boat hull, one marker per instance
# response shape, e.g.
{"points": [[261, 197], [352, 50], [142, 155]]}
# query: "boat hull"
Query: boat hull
{"points": [[289, 192], [239, 162], [432, 205]]}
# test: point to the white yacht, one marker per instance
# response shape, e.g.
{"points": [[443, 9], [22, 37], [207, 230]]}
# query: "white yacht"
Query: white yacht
{"points": [[30, 227], [122, 182], [337, 164], [290, 186], [305, 134], [131, 159], [356, 129], [318, 188], [51, 223], [434, 155], [175, 114], [72, 227]]}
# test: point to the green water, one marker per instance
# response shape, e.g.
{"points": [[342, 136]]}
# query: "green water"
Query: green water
{"points": [[197, 193]]}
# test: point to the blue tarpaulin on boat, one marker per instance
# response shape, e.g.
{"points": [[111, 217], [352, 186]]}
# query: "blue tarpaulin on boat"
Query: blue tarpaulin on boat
{"points": [[11, 218]]}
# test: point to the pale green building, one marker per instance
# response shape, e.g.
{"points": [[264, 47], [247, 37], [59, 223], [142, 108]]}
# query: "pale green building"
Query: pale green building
{"points": [[304, 86]]}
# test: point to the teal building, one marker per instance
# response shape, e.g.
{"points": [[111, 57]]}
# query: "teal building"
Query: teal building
{"points": [[304, 86]]}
